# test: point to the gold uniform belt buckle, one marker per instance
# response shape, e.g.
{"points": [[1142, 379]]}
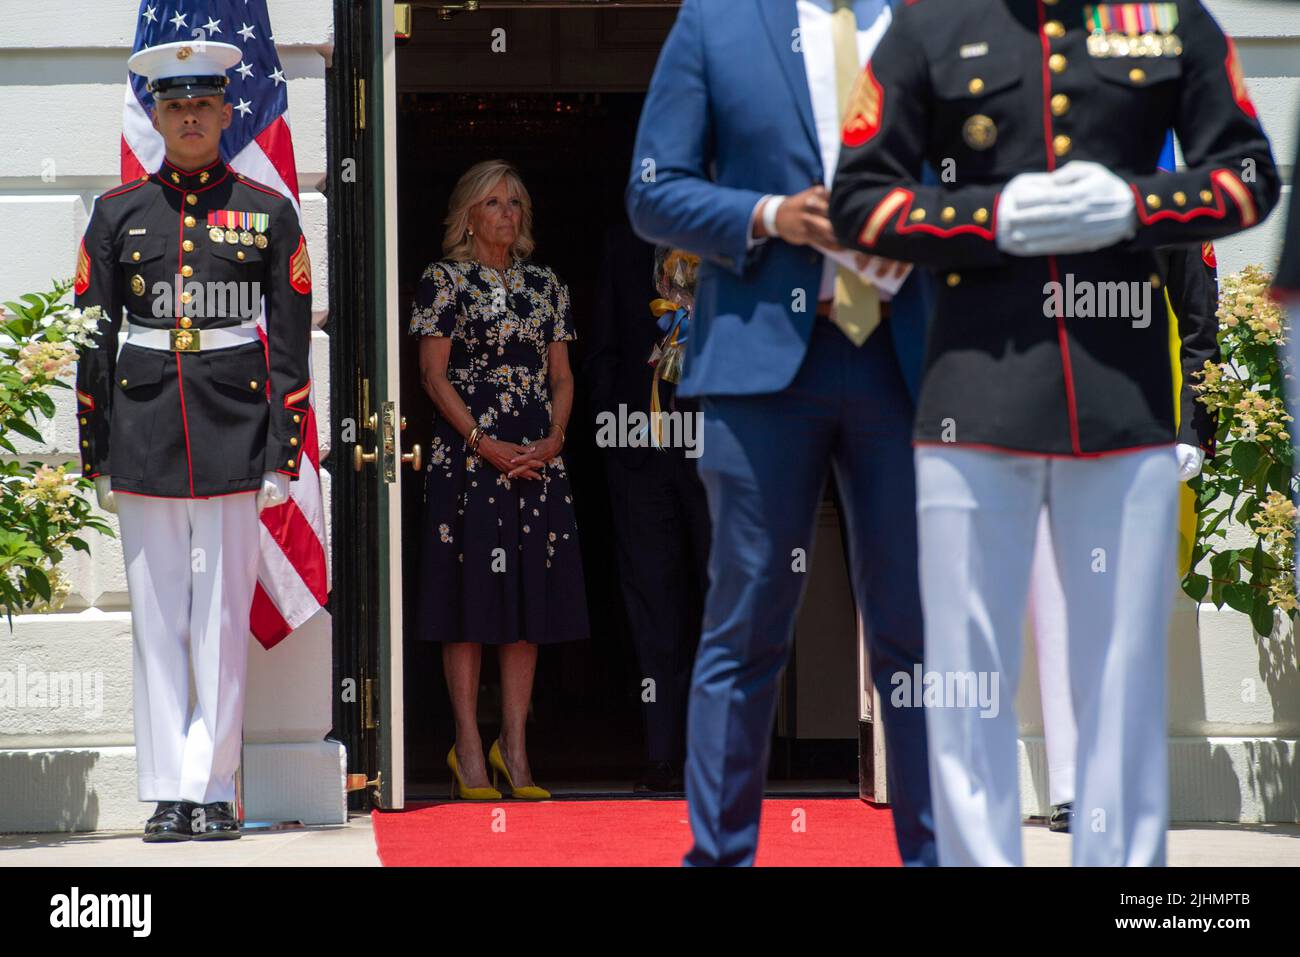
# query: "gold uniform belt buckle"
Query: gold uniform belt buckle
{"points": [[184, 340]]}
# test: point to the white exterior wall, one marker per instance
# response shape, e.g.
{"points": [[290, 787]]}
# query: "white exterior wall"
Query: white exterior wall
{"points": [[1234, 701], [62, 81]]}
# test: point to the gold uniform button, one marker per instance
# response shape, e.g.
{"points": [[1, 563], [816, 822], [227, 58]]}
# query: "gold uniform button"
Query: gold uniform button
{"points": [[1057, 63], [86, 467], [189, 222], [1060, 104], [976, 85], [240, 255], [1207, 196], [948, 214], [252, 383], [187, 271], [1155, 281], [135, 256], [1153, 201], [1061, 145], [186, 322], [186, 297], [123, 382], [85, 444], [1180, 198], [1050, 3], [953, 278], [188, 245], [1054, 29], [981, 215], [290, 463], [83, 420], [917, 215], [1137, 75], [297, 418], [293, 441], [191, 198]]}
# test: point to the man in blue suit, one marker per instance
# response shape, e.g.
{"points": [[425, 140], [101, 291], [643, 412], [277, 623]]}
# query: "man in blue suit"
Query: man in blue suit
{"points": [[801, 367]]}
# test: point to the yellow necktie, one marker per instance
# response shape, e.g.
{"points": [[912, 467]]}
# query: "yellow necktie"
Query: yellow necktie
{"points": [[857, 304]]}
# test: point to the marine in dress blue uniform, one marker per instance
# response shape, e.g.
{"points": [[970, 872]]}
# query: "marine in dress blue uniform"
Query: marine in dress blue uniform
{"points": [[190, 425], [1050, 115]]}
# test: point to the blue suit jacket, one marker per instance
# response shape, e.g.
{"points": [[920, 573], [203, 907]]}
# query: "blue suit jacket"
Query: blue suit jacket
{"points": [[728, 118]]}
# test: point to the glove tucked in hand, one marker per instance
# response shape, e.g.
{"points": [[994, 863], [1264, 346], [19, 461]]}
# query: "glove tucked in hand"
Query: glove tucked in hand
{"points": [[1190, 460], [1079, 208], [275, 490], [104, 493]]}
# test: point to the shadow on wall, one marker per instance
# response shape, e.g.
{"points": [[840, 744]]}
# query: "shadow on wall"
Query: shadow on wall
{"points": [[60, 779]]}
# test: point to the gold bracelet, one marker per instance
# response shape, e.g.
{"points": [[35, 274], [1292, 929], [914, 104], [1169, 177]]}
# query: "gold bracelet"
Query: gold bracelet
{"points": [[556, 425], [475, 435]]}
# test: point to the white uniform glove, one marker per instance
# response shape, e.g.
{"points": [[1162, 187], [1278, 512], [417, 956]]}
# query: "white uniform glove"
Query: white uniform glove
{"points": [[1190, 460], [275, 490], [1079, 208], [104, 492]]}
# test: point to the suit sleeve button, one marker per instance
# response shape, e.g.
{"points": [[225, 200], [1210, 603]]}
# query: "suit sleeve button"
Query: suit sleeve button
{"points": [[953, 278], [252, 384]]}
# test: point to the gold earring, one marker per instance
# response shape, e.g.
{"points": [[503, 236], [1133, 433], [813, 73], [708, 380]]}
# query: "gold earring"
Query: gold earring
{"points": [[471, 232]]}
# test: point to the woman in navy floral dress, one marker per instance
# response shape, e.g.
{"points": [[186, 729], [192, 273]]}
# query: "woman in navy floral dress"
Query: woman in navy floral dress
{"points": [[499, 557]]}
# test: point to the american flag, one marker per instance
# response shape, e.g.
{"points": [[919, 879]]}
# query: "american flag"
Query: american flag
{"points": [[293, 577]]}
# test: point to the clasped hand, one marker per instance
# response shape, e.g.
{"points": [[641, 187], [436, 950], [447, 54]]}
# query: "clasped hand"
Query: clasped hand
{"points": [[1078, 208], [520, 461]]}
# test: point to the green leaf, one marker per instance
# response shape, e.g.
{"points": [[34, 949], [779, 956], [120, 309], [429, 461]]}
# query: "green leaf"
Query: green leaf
{"points": [[37, 580], [1261, 616], [22, 427], [1279, 477], [1196, 586], [1245, 457], [1240, 597]]}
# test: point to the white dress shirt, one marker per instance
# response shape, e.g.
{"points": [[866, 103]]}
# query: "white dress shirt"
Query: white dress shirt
{"points": [[873, 18]]}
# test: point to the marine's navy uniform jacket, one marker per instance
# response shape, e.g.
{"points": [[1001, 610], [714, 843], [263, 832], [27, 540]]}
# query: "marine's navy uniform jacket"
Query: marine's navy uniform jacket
{"points": [[986, 89], [193, 424]]}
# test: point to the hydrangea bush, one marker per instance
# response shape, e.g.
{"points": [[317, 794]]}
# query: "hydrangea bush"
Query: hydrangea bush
{"points": [[42, 508], [1250, 481]]}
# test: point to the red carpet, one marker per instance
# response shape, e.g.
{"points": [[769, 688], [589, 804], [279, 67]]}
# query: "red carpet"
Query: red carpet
{"points": [[831, 832]]}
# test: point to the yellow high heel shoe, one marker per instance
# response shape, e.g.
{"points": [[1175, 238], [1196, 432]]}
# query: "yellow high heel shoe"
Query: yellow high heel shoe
{"points": [[458, 786], [529, 792]]}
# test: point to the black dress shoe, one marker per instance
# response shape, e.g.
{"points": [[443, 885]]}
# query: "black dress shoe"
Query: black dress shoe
{"points": [[658, 776], [215, 822], [170, 822], [1060, 818]]}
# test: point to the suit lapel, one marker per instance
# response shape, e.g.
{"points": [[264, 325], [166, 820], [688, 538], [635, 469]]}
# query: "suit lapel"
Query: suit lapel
{"points": [[781, 18]]}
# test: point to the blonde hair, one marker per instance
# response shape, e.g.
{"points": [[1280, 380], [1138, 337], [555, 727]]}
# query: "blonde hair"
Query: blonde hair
{"points": [[473, 187]]}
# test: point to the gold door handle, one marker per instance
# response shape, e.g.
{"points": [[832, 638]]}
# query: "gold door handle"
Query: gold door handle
{"points": [[360, 457], [413, 457]]}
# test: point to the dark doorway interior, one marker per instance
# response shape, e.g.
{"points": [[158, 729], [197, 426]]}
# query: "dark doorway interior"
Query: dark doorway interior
{"points": [[574, 151]]}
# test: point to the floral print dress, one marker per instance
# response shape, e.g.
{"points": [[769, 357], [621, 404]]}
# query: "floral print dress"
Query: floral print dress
{"points": [[499, 557]]}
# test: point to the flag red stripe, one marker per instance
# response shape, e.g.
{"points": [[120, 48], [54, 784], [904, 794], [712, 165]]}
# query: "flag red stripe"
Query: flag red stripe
{"points": [[131, 168], [293, 533], [277, 144], [269, 627]]}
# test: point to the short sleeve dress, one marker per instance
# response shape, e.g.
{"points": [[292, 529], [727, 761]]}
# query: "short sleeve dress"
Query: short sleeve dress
{"points": [[499, 558]]}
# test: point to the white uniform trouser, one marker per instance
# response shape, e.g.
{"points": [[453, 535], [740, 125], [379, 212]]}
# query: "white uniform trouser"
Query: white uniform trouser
{"points": [[1113, 522], [191, 568], [1051, 630]]}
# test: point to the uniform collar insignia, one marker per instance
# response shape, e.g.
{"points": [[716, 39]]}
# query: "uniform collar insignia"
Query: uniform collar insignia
{"points": [[192, 180]]}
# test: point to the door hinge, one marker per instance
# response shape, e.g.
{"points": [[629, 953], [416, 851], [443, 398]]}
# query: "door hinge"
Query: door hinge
{"points": [[368, 706]]}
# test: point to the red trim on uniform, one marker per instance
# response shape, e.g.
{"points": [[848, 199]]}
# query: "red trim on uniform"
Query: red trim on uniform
{"points": [[180, 379], [203, 169], [1066, 367], [1217, 211], [87, 400], [1207, 255], [985, 446], [258, 186], [895, 207], [193, 189], [1047, 88], [125, 188]]}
